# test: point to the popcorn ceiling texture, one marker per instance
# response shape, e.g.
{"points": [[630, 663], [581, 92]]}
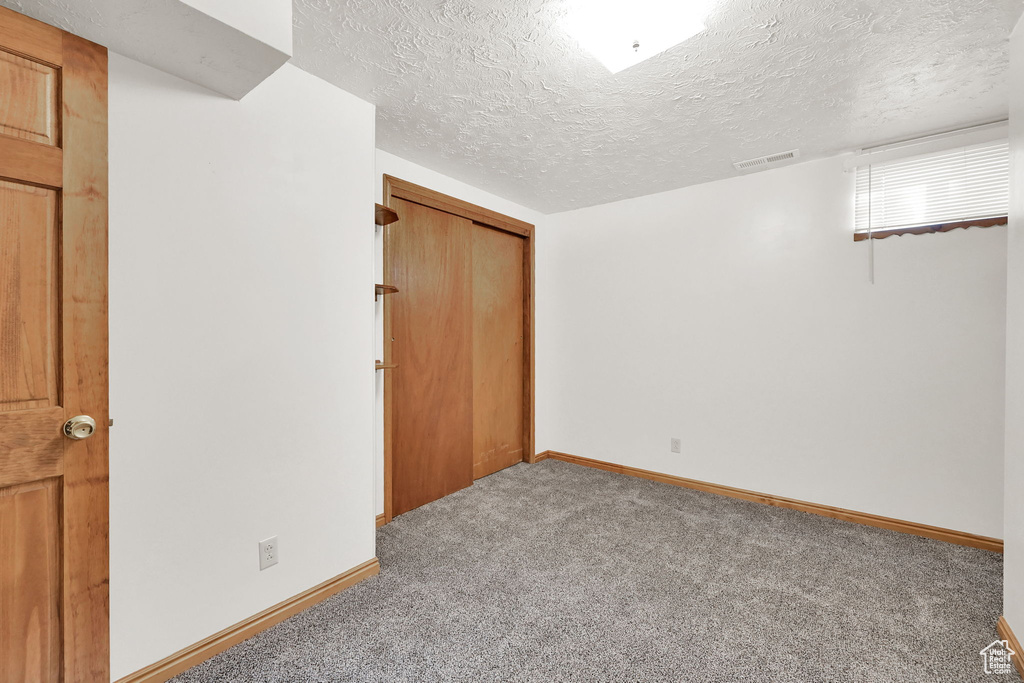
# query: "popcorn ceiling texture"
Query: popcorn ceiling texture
{"points": [[493, 93]]}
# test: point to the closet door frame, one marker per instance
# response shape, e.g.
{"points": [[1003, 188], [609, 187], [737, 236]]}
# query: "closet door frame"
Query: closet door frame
{"points": [[396, 188]]}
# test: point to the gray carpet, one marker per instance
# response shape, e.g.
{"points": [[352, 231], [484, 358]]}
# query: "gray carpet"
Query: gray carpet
{"points": [[557, 572]]}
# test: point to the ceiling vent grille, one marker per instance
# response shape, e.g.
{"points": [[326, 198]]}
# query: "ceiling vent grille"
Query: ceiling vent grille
{"points": [[766, 161]]}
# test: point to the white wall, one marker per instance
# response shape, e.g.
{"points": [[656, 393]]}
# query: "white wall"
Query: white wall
{"points": [[738, 316], [241, 255], [1013, 561], [406, 170]]}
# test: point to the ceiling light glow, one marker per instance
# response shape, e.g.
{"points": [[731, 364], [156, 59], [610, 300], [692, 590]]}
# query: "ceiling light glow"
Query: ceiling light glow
{"points": [[623, 33]]}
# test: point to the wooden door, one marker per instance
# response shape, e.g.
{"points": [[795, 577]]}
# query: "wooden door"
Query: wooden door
{"points": [[53, 354], [430, 258], [498, 358], [457, 404]]}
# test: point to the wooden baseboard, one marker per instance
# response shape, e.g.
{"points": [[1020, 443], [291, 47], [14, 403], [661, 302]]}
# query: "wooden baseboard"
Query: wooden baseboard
{"points": [[937, 533], [185, 659], [381, 520], [1006, 633]]}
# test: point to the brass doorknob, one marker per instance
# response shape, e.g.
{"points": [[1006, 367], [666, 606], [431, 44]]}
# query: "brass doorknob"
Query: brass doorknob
{"points": [[79, 427]]}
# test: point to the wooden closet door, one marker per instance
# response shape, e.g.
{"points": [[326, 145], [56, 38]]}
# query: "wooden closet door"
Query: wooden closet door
{"points": [[430, 262], [498, 359], [53, 354]]}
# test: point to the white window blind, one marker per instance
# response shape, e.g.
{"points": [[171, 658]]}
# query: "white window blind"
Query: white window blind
{"points": [[967, 183]]}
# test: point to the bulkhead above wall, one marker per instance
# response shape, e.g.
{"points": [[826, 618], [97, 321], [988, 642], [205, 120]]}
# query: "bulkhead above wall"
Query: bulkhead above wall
{"points": [[228, 46]]}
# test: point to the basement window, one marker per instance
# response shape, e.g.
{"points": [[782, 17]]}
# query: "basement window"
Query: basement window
{"points": [[936, 191]]}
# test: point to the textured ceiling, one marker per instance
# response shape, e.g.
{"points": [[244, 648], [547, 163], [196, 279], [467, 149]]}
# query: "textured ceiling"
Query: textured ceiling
{"points": [[493, 93]]}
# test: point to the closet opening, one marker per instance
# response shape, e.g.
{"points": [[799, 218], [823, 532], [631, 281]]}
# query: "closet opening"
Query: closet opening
{"points": [[458, 345]]}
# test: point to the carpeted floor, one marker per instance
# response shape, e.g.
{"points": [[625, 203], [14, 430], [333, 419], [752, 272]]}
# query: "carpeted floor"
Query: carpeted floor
{"points": [[557, 572]]}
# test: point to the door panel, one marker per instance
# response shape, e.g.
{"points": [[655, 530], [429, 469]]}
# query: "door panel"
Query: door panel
{"points": [[432, 410], [497, 350], [28, 292], [29, 108], [53, 354], [30, 582]]}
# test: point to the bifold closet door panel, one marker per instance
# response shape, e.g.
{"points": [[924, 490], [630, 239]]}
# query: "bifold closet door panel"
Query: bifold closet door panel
{"points": [[430, 262], [497, 350]]}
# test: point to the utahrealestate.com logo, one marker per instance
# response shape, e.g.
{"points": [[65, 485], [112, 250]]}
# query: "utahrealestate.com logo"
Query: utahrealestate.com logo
{"points": [[997, 658]]}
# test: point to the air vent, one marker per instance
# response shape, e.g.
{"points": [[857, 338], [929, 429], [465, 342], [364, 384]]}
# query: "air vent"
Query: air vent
{"points": [[766, 161]]}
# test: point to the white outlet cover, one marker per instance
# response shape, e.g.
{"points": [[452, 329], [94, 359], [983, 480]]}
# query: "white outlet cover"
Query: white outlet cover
{"points": [[270, 552], [677, 446]]}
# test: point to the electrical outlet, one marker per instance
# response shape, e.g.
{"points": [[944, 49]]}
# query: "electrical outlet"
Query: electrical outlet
{"points": [[269, 552], [677, 446]]}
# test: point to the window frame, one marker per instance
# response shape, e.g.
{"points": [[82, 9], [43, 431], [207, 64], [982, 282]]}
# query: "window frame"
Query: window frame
{"points": [[992, 222]]}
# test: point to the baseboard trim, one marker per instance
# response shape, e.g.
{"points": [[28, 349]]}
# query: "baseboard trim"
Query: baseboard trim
{"points": [[381, 520], [934, 532], [1006, 633], [173, 665]]}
